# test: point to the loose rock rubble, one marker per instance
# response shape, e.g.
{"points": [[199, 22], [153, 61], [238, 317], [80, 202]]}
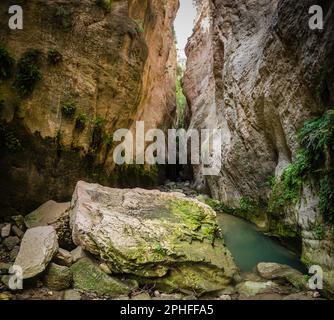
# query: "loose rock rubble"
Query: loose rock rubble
{"points": [[86, 272]]}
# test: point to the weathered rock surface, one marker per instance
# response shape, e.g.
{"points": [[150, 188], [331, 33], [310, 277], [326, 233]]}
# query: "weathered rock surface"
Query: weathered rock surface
{"points": [[249, 289], [5, 230], [254, 87], [58, 277], [263, 73], [275, 271], [72, 295], [11, 242], [17, 231], [38, 247], [77, 254], [329, 284], [163, 238], [89, 277], [47, 214], [117, 66], [63, 257]]}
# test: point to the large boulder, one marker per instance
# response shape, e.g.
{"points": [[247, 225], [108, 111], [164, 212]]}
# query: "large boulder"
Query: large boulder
{"points": [[38, 247], [161, 237]]}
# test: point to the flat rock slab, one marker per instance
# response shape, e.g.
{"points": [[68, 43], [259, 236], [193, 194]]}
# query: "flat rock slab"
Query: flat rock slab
{"points": [[47, 214], [166, 238], [38, 247]]}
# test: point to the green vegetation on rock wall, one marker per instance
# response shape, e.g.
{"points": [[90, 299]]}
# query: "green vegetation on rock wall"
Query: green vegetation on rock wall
{"points": [[7, 63], [28, 73], [314, 163], [181, 101]]}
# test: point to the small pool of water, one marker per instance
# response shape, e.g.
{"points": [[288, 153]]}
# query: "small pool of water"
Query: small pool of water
{"points": [[250, 247]]}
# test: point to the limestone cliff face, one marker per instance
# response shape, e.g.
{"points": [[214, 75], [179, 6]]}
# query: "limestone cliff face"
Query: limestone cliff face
{"points": [[262, 73], [117, 66]]}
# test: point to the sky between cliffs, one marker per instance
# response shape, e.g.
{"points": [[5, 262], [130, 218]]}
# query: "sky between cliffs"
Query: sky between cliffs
{"points": [[183, 25]]}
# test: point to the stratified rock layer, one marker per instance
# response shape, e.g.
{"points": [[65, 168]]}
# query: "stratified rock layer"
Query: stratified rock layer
{"points": [[163, 238]]}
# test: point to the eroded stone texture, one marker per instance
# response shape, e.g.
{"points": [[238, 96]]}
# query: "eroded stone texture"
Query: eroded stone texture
{"points": [[87, 276], [117, 67], [262, 73], [163, 238], [47, 214], [38, 247]]}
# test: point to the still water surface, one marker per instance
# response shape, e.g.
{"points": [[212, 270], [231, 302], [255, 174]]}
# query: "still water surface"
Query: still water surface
{"points": [[250, 247]]}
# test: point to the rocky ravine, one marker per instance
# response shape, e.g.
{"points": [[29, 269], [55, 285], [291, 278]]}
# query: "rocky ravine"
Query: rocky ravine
{"points": [[263, 73], [91, 68], [133, 244]]}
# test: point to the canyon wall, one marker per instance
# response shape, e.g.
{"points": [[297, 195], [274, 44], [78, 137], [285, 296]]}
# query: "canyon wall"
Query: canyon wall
{"points": [[263, 72], [95, 67]]}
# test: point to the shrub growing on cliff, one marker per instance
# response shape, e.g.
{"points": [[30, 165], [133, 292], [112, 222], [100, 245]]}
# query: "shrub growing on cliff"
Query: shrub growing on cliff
{"points": [[28, 73], [59, 141], [326, 197], [140, 25], [317, 136], [318, 232], [80, 121], [97, 136], [104, 4], [63, 16], [314, 161], [7, 63], [69, 108], [181, 101]]}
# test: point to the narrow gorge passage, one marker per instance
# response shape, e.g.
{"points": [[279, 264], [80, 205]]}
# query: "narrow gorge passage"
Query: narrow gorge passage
{"points": [[167, 150], [246, 243]]}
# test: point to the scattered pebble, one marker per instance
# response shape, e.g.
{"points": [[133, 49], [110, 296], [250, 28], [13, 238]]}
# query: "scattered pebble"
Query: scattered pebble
{"points": [[11, 242], [14, 252], [72, 295], [17, 231], [5, 231]]}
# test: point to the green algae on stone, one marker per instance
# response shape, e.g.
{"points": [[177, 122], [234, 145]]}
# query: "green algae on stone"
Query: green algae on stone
{"points": [[193, 279], [58, 277], [196, 217], [89, 277], [152, 236]]}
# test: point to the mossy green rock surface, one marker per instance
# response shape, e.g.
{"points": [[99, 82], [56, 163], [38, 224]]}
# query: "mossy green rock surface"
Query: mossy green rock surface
{"points": [[164, 238], [87, 276], [58, 277]]}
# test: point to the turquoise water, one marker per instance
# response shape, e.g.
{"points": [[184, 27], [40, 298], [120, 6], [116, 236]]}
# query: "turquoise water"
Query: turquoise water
{"points": [[250, 247]]}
